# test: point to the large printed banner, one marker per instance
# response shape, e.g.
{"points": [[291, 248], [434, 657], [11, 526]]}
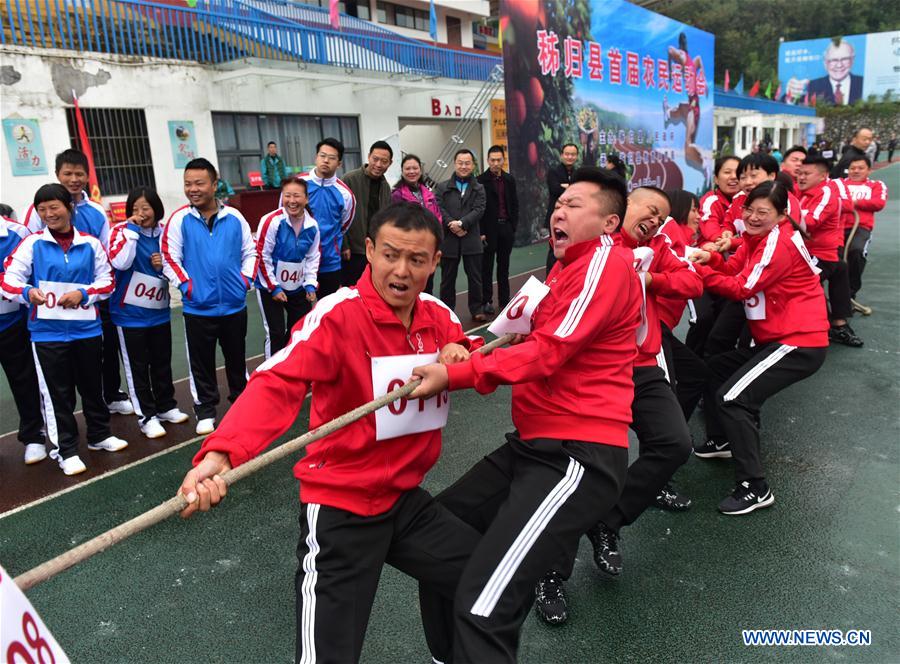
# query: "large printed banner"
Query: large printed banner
{"points": [[840, 70], [612, 78]]}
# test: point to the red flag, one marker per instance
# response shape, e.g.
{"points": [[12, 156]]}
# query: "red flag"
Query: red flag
{"points": [[813, 101], [727, 80], [333, 16], [754, 90], [806, 99], [86, 148], [778, 92]]}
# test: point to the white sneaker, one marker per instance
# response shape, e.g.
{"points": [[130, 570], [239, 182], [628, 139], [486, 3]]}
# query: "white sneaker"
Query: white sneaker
{"points": [[111, 444], [72, 466], [35, 452], [174, 416], [152, 428], [122, 407], [205, 426]]}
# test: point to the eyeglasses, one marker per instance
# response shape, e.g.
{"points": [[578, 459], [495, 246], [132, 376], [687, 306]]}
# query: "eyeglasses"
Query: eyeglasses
{"points": [[842, 61], [328, 157], [379, 160]]}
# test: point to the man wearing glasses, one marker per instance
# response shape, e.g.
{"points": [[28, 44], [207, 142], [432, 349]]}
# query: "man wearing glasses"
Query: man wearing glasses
{"points": [[372, 190], [333, 206], [839, 87]]}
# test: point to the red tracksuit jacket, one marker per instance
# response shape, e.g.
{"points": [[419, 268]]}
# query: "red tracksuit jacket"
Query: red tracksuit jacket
{"points": [[671, 278], [713, 207], [820, 209], [674, 237], [867, 197], [571, 377], [774, 276], [331, 352]]}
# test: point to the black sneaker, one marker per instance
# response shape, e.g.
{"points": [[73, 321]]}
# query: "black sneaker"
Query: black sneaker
{"points": [[489, 309], [550, 599], [844, 335], [745, 498], [713, 450], [606, 549], [669, 499]]}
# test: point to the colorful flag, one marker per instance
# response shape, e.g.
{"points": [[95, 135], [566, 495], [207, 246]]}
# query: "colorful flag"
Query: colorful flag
{"points": [[778, 92], [727, 80], [739, 86], [334, 16], [86, 148], [432, 21], [806, 99], [813, 100], [754, 90], [769, 89]]}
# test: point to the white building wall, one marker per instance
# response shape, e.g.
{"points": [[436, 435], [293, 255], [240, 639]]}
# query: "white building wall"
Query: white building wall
{"points": [[169, 90]]}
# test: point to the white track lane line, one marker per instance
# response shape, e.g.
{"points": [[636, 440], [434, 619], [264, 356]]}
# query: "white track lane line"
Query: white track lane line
{"points": [[115, 471]]}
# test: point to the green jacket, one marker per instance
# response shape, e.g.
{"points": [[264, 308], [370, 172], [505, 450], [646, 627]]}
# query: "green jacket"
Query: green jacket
{"points": [[360, 183], [273, 171]]}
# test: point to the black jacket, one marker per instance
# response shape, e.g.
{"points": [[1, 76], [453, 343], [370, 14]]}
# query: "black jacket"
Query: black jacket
{"points": [[556, 177], [851, 152], [492, 204], [468, 209]]}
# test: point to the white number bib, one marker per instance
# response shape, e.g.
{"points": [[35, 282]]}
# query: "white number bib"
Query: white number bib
{"points": [[7, 307], [147, 292], [516, 316], [50, 310], [290, 275], [755, 306], [404, 417], [23, 635]]}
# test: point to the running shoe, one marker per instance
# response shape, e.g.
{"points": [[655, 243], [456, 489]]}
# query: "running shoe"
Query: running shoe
{"points": [[746, 498], [550, 599]]}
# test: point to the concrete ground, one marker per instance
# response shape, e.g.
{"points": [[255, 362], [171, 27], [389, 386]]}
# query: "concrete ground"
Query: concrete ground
{"points": [[219, 588]]}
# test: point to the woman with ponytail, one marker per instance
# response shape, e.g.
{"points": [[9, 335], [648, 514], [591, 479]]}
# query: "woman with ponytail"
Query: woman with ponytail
{"points": [[774, 276]]}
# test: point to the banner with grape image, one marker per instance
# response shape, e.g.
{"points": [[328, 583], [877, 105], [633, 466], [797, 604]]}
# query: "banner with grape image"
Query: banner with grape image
{"points": [[612, 78]]}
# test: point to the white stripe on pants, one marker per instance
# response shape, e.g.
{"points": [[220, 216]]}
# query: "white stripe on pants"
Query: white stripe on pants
{"points": [[514, 556], [129, 377], [46, 406], [310, 576], [756, 372]]}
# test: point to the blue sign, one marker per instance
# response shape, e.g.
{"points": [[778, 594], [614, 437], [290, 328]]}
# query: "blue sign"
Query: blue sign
{"points": [[613, 78], [25, 147], [184, 142], [842, 70]]}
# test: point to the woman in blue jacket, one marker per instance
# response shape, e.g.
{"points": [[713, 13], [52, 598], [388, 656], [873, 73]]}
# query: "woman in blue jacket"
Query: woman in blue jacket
{"points": [[62, 273], [140, 309], [288, 248]]}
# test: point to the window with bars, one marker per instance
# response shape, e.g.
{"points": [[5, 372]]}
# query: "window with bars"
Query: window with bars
{"points": [[120, 146], [241, 140]]}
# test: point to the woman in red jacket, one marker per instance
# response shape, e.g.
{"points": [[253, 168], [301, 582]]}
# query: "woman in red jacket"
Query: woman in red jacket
{"points": [[775, 277]]}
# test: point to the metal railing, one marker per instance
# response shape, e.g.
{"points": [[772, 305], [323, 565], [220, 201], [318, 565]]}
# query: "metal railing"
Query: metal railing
{"points": [[215, 32]]}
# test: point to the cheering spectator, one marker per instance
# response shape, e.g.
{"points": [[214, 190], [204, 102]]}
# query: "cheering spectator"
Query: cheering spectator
{"points": [[288, 248], [372, 191], [334, 206], [62, 273], [461, 198], [208, 252], [411, 188], [140, 309], [15, 355], [498, 227]]}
